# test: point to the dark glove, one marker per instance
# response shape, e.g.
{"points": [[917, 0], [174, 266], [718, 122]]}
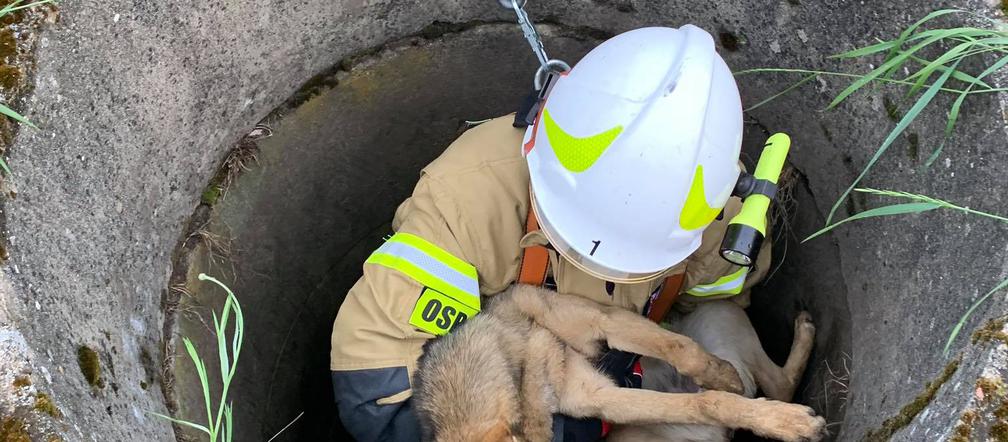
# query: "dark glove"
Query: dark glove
{"points": [[572, 429], [622, 368]]}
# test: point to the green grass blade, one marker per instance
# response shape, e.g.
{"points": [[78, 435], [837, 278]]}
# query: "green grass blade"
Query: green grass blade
{"points": [[910, 116], [228, 367], [10, 113], [225, 366], [13, 6], [895, 209], [895, 62], [239, 335], [228, 423], [958, 75], [847, 75], [994, 67], [204, 381], [936, 154], [962, 321], [10, 7], [898, 43], [775, 96], [867, 50], [928, 199], [181, 422], [925, 73], [895, 44], [948, 57], [957, 105]]}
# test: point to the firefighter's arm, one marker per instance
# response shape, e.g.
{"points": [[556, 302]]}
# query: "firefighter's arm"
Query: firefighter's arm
{"points": [[372, 359], [709, 276], [414, 286]]}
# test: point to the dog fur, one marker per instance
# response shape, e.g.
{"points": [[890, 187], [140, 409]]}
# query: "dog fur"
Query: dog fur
{"points": [[723, 329], [501, 376]]}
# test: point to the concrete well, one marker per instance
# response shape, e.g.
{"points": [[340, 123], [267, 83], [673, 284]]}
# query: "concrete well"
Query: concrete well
{"points": [[149, 168]]}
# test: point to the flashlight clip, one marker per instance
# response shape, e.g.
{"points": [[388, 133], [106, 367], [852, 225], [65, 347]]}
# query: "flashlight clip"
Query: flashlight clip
{"points": [[748, 184]]}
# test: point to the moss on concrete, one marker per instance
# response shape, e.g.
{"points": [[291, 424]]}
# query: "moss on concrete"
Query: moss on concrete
{"points": [[13, 429], [992, 330], [21, 381], [913, 150], [910, 411], [964, 430], [891, 109], [211, 194], [991, 388], [45, 404], [999, 432], [90, 366], [8, 45]]}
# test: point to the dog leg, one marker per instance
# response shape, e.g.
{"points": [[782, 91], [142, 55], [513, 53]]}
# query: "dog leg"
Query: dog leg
{"points": [[583, 324], [586, 392], [723, 329], [538, 399], [780, 382]]}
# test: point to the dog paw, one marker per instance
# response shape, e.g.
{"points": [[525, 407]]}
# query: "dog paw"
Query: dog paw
{"points": [[803, 323], [789, 422]]}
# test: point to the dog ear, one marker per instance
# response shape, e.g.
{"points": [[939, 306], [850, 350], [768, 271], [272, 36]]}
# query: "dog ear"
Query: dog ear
{"points": [[500, 432]]}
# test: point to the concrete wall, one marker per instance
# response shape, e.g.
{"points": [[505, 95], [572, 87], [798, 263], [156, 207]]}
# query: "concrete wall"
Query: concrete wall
{"points": [[138, 103]]}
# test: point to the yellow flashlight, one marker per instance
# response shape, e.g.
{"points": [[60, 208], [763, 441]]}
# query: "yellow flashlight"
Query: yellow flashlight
{"points": [[747, 230]]}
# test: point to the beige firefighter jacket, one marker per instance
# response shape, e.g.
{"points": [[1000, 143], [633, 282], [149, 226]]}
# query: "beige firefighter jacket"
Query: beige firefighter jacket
{"points": [[472, 202]]}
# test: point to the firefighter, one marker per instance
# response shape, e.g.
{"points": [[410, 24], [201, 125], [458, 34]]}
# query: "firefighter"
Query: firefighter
{"points": [[619, 191]]}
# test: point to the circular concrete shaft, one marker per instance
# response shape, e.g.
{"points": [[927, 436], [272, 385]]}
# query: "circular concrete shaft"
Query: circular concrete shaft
{"points": [[139, 105], [291, 233]]}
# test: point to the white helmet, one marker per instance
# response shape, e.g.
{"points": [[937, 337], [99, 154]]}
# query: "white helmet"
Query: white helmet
{"points": [[635, 152]]}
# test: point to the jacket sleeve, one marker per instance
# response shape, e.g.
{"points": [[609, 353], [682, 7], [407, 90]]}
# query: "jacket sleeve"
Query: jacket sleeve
{"points": [[359, 395], [374, 347], [709, 276]]}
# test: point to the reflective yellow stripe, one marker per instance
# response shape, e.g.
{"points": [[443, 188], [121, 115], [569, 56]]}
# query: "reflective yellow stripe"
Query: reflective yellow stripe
{"points": [[696, 213], [430, 266], [729, 284], [577, 154], [436, 252]]}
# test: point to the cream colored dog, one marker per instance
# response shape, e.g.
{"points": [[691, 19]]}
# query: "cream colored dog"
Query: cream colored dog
{"points": [[724, 330], [503, 374]]}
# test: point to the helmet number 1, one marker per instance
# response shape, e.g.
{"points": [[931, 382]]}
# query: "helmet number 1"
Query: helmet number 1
{"points": [[592, 253]]}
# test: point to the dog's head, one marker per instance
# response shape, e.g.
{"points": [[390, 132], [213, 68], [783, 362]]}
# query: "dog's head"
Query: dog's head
{"points": [[465, 390]]}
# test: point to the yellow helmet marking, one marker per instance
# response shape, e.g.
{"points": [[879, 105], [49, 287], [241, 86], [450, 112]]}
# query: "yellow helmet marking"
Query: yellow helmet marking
{"points": [[577, 154], [696, 213]]}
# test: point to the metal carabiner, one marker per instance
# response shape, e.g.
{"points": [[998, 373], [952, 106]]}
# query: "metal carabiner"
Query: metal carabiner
{"points": [[547, 66], [531, 35], [543, 74]]}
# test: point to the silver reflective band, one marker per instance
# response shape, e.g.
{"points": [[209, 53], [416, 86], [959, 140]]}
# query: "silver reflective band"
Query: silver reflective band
{"points": [[435, 268], [729, 284]]}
